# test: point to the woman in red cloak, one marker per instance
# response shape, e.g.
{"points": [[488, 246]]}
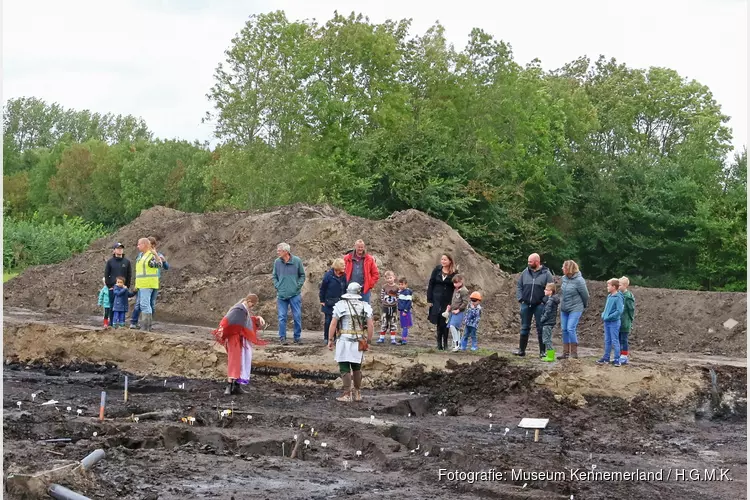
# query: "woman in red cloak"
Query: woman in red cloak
{"points": [[238, 324]]}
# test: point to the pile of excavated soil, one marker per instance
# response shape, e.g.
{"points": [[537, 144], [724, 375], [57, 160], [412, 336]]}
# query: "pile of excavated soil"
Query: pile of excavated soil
{"points": [[217, 258]]}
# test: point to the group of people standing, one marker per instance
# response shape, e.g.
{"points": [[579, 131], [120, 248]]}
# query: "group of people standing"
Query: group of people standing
{"points": [[537, 293], [345, 293], [118, 278]]}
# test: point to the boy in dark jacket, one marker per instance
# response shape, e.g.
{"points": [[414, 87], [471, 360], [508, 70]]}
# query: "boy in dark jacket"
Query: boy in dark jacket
{"points": [[404, 308], [551, 301], [120, 306], [626, 320]]}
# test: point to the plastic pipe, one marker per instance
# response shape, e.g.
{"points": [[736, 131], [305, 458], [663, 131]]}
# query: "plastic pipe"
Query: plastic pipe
{"points": [[92, 458], [63, 493], [101, 405]]}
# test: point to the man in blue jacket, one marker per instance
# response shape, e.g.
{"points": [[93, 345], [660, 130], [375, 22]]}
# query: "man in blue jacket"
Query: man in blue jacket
{"points": [[529, 293], [288, 278]]}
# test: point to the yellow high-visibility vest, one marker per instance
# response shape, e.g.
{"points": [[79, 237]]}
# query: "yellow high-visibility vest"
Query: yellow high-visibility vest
{"points": [[145, 276]]}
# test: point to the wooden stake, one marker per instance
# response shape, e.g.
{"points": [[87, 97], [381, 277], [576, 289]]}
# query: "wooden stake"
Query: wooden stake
{"points": [[536, 435], [296, 449]]}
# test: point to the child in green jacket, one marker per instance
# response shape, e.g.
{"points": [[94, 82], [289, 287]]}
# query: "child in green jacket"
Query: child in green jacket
{"points": [[104, 302], [626, 321]]}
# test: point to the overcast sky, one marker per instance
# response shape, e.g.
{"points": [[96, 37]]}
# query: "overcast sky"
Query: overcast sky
{"points": [[156, 58]]}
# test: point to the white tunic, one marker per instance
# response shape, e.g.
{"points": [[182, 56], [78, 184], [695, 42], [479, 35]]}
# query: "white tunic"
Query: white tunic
{"points": [[347, 350]]}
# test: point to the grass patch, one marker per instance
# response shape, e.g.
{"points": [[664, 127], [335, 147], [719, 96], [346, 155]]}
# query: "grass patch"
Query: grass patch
{"points": [[9, 275]]}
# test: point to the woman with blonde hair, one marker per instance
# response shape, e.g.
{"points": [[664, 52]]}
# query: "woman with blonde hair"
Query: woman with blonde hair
{"points": [[332, 288], [574, 299]]}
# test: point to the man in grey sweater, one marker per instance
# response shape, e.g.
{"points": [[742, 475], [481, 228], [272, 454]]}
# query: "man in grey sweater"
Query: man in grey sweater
{"points": [[288, 278]]}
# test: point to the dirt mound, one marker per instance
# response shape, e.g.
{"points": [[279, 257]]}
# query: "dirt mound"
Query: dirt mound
{"points": [[674, 320], [488, 378], [216, 258]]}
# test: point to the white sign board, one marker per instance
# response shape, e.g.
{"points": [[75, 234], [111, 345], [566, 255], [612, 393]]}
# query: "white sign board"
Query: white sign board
{"points": [[534, 423]]}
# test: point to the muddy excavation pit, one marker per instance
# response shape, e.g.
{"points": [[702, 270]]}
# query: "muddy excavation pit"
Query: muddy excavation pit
{"points": [[394, 443]]}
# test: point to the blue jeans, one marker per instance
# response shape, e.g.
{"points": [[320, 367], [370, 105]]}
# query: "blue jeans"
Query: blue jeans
{"points": [[527, 312], [611, 339], [119, 318], [283, 306], [327, 324], [137, 310], [144, 300], [569, 324], [470, 332], [366, 296]]}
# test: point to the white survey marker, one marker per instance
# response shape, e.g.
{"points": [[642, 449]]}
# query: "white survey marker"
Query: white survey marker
{"points": [[533, 423]]}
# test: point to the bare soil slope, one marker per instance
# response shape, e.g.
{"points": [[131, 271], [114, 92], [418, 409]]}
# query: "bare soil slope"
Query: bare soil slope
{"points": [[217, 258]]}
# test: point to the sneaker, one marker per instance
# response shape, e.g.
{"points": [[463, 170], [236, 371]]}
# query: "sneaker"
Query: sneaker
{"points": [[456, 348], [519, 352], [602, 361], [403, 341], [134, 326], [298, 341], [616, 363], [393, 342], [380, 340], [283, 342], [474, 348]]}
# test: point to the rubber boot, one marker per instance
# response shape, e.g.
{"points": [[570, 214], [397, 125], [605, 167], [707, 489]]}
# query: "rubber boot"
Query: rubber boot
{"points": [[146, 322], [566, 351], [357, 392], [521, 351], [550, 356], [106, 323], [574, 351], [230, 387]]}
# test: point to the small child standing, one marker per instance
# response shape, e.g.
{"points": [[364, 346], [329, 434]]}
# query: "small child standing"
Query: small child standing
{"points": [[404, 308], [551, 301], [456, 309], [104, 302], [611, 317], [626, 322], [471, 321], [388, 301], [120, 306]]}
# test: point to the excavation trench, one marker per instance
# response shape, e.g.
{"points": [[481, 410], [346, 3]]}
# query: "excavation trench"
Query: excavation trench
{"points": [[430, 411]]}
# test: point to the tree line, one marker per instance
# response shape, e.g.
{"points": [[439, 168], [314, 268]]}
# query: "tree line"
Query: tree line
{"points": [[625, 170]]}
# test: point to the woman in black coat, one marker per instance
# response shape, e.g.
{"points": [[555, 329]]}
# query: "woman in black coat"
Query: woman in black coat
{"points": [[439, 295]]}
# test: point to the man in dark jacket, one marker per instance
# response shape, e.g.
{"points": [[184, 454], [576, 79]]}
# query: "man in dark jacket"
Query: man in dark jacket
{"points": [[116, 266], [529, 293]]}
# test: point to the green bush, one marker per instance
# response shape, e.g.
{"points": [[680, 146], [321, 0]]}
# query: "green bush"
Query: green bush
{"points": [[33, 242]]}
